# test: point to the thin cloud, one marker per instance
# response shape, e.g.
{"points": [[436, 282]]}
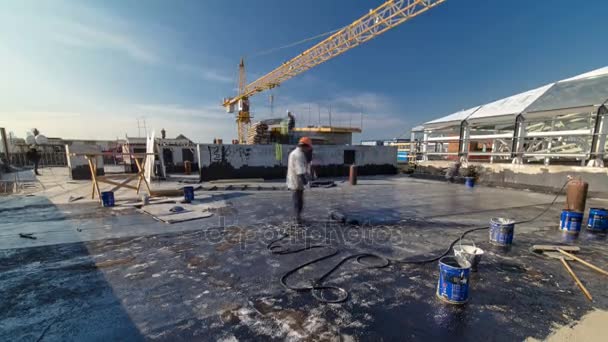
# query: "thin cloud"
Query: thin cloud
{"points": [[205, 73], [81, 36], [109, 32], [364, 102], [174, 110]]}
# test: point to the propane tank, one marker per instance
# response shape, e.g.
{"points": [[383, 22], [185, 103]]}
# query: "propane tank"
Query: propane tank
{"points": [[576, 195], [352, 176]]}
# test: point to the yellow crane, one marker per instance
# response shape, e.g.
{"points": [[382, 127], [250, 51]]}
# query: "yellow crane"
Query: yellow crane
{"points": [[377, 21]]}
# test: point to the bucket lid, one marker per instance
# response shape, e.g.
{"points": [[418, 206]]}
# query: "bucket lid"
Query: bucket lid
{"points": [[502, 220], [468, 249], [453, 262]]}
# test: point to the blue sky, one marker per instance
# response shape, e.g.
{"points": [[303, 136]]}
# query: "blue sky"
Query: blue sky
{"points": [[89, 69]]}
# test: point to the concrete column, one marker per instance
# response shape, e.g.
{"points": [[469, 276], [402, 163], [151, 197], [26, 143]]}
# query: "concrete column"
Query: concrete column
{"points": [[493, 151], [550, 144], [413, 151], [463, 141], [519, 136], [425, 141], [5, 145], [598, 142]]}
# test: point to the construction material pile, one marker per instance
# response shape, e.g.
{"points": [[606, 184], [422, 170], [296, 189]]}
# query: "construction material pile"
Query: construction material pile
{"points": [[258, 134]]}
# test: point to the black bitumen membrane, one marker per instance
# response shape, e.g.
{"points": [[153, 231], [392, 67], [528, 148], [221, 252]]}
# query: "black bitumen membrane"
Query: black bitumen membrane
{"points": [[220, 282]]}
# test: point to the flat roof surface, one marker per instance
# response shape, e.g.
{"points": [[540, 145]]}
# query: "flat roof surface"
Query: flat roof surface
{"points": [[106, 274]]}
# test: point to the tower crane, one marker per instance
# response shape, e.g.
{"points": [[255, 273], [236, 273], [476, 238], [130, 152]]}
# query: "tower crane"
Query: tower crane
{"points": [[386, 16]]}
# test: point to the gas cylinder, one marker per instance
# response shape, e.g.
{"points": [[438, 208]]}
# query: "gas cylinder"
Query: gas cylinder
{"points": [[352, 176], [576, 195]]}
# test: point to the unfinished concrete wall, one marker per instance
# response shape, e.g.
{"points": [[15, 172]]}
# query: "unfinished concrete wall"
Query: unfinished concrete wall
{"points": [[177, 156], [78, 165], [534, 177], [270, 161]]}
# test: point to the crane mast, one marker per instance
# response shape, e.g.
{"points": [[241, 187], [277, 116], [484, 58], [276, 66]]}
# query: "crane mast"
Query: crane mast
{"points": [[386, 16]]}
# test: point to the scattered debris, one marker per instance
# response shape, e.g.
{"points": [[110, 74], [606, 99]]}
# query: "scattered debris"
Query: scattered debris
{"points": [[322, 184], [188, 181], [74, 198], [194, 188], [28, 236], [170, 213], [110, 263], [237, 180], [166, 192]]}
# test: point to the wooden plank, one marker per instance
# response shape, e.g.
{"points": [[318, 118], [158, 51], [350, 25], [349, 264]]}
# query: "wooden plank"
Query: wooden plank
{"points": [[142, 175], [118, 185], [93, 169], [588, 264], [132, 176], [555, 248], [578, 281]]}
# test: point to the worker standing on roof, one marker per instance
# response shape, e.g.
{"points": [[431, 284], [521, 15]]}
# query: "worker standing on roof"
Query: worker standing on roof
{"points": [[297, 170], [34, 157], [453, 171]]}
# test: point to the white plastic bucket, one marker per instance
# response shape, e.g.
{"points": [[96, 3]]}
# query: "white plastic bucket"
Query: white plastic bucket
{"points": [[470, 253]]}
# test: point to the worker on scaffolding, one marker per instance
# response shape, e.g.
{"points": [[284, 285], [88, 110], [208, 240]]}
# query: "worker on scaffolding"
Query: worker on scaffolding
{"points": [[297, 174]]}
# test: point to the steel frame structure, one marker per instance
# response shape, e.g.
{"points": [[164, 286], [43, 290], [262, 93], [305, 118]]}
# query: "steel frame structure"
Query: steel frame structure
{"points": [[579, 135]]}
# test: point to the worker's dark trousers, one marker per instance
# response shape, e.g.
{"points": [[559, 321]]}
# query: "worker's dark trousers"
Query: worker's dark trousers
{"points": [[36, 162], [298, 202]]}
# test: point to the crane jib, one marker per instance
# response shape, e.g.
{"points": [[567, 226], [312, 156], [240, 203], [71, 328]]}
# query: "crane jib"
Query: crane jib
{"points": [[388, 15]]}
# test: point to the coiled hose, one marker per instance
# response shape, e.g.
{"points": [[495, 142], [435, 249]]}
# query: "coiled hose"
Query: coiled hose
{"points": [[317, 286]]}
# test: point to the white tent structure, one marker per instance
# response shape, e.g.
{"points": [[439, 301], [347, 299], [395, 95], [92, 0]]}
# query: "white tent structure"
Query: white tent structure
{"points": [[559, 122]]}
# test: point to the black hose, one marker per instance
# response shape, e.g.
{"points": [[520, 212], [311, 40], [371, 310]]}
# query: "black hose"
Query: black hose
{"points": [[317, 288]]}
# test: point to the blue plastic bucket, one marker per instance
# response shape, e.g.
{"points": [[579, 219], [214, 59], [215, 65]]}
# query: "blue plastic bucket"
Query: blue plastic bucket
{"points": [[501, 231], [598, 220], [469, 182], [453, 284], [570, 221], [569, 237], [188, 193], [107, 198]]}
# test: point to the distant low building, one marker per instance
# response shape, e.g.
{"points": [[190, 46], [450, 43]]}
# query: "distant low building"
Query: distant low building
{"points": [[326, 135], [403, 147], [175, 151]]}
